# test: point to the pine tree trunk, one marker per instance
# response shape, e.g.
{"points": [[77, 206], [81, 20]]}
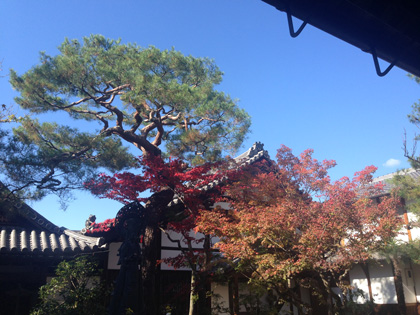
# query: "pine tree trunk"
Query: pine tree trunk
{"points": [[399, 288]]}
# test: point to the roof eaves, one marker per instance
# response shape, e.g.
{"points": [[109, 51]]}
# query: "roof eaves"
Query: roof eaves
{"points": [[16, 240]]}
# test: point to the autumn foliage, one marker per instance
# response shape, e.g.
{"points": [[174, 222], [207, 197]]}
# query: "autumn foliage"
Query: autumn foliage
{"points": [[154, 174], [288, 226], [193, 189], [292, 226], [101, 227]]}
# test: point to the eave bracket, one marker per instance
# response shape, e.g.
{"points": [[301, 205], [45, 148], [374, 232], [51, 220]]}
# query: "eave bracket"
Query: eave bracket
{"points": [[378, 68], [291, 28]]}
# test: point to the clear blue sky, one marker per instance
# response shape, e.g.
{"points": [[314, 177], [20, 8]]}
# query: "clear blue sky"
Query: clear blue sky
{"points": [[314, 91]]}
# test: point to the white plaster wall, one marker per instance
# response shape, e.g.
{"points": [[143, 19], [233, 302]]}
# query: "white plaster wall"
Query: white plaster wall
{"points": [[382, 283], [305, 295], [402, 235], [222, 205], [415, 232], [416, 274], [220, 297], [113, 255], [359, 282], [408, 284], [245, 290], [408, 278], [166, 242], [169, 253], [285, 310]]}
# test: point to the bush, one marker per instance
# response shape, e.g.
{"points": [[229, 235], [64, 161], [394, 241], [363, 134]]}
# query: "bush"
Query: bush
{"points": [[76, 290]]}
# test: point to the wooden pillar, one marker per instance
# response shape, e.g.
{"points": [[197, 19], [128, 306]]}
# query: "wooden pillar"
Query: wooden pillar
{"points": [[234, 295]]}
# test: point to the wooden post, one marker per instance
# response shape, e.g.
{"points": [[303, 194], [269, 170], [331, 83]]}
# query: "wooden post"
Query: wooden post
{"points": [[234, 295]]}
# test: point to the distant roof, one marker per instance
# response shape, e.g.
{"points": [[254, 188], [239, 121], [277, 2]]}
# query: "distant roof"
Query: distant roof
{"points": [[253, 154], [387, 29], [250, 156], [385, 179]]}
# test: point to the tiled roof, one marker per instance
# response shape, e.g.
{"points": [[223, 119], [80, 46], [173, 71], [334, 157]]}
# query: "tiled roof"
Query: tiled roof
{"points": [[22, 241], [42, 237], [385, 179], [252, 155]]}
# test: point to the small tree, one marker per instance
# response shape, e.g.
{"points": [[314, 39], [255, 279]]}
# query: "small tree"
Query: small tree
{"points": [[187, 185], [75, 290], [407, 188], [292, 227], [414, 118]]}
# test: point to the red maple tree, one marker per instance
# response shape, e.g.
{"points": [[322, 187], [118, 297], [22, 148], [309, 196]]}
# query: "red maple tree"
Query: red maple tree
{"points": [[293, 227], [191, 187], [190, 190]]}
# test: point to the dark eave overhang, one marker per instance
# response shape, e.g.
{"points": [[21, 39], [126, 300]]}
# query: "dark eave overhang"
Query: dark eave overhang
{"points": [[389, 30]]}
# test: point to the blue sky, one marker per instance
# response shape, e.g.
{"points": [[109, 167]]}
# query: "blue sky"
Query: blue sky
{"points": [[314, 91]]}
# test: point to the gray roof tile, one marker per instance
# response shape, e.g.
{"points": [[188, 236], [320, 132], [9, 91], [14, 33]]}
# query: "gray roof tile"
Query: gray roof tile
{"points": [[19, 240]]}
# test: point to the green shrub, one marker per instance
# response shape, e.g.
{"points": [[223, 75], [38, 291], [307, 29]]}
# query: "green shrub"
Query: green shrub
{"points": [[76, 290]]}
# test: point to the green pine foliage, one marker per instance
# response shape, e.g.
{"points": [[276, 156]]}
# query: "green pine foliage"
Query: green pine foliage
{"points": [[119, 96], [76, 290], [49, 157], [166, 96], [407, 188], [414, 118]]}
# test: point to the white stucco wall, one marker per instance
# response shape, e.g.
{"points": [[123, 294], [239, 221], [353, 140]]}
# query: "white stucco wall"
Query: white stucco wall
{"points": [[220, 298], [415, 231], [359, 282], [169, 249], [410, 277], [382, 283], [416, 277], [113, 256], [166, 242], [166, 253]]}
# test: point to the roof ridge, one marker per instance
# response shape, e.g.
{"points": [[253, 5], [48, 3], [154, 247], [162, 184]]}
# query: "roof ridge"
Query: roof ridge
{"points": [[402, 172]]}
